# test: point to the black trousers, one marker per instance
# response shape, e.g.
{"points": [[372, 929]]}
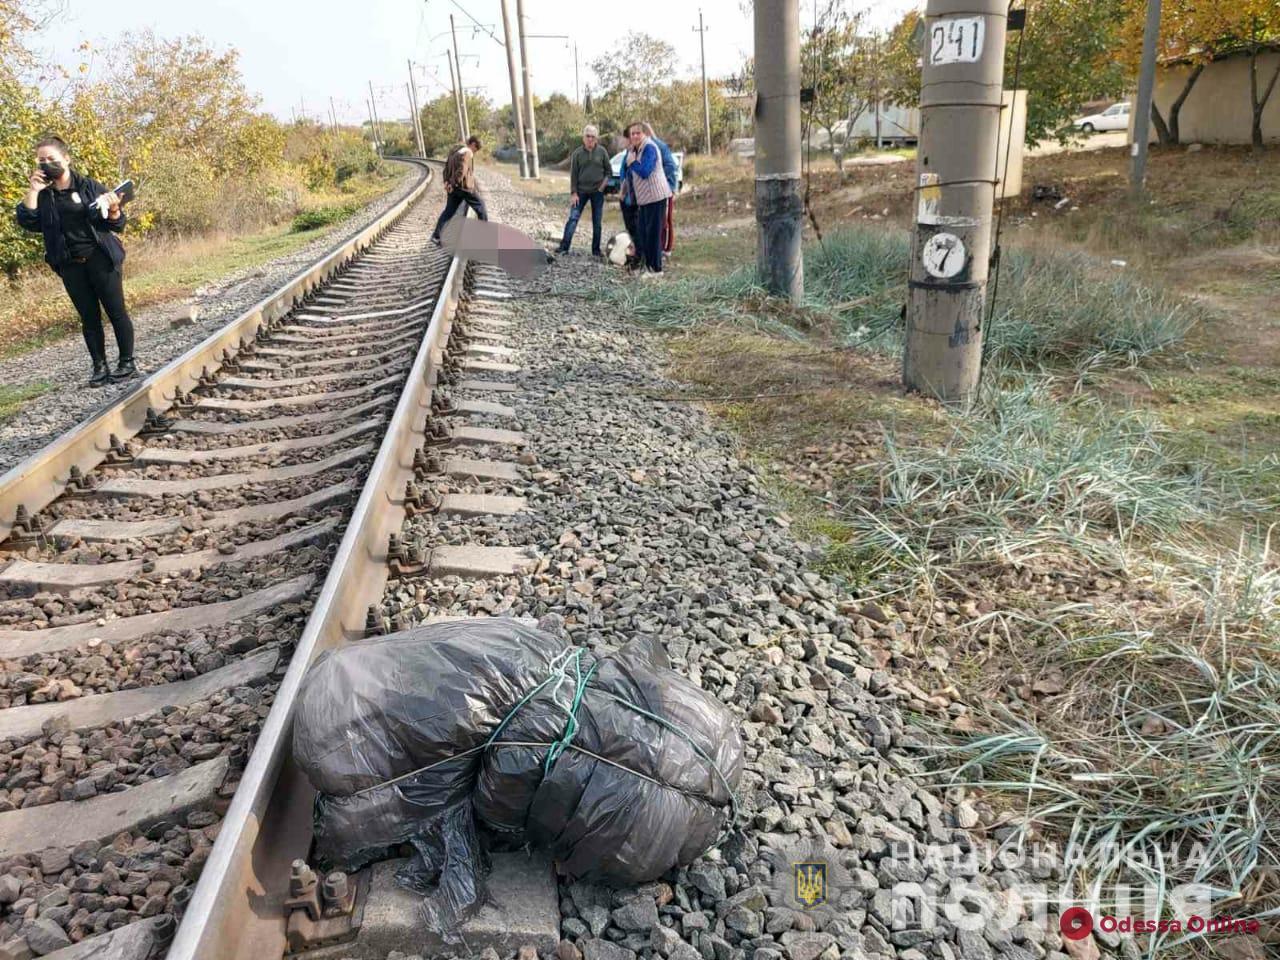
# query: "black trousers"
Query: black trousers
{"points": [[457, 198], [93, 286], [649, 244]]}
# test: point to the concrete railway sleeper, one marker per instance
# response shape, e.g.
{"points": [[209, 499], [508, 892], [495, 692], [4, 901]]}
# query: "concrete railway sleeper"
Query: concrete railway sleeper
{"points": [[170, 567]]}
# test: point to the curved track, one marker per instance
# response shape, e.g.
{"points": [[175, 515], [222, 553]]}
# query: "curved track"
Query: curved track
{"points": [[173, 565]]}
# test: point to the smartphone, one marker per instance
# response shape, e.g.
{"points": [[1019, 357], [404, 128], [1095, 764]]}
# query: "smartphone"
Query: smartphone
{"points": [[125, 191]]}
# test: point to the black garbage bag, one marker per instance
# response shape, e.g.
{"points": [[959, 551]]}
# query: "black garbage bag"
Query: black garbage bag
{"points": [[618, 766]]}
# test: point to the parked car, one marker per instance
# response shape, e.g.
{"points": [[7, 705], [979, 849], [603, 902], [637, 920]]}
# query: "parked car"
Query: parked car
{"points": [[614, 183], [1115, 117]]}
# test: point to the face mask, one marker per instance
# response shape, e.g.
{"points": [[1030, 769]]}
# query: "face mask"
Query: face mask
{"points": [[52, 169]]}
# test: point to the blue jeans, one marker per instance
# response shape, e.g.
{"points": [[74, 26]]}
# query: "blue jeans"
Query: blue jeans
{"points": [[575, 213], [454, 199]]}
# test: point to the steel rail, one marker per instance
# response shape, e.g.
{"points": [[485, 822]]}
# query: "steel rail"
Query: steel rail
{"points": [[40, 479], [237, 907]]}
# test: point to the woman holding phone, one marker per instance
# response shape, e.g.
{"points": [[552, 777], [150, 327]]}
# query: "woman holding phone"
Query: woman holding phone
{"points": [[79, 219]]}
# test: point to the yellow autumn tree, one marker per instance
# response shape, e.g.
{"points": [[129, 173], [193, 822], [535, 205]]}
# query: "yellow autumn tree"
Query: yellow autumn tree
{"points": [[1194, 33]]}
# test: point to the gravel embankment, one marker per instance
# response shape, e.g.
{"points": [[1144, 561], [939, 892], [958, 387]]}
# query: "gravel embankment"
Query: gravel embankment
{"points": [[650, 523], [157, 342]]}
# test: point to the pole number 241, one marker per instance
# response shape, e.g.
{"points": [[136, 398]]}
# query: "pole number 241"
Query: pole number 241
{"points": [[956, 40]]}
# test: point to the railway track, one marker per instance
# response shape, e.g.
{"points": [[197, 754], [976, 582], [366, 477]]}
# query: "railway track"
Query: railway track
{"points": [[172, 566]]}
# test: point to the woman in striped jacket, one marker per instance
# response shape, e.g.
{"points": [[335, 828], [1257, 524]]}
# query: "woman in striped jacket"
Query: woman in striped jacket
{"points": [[647, 186]]}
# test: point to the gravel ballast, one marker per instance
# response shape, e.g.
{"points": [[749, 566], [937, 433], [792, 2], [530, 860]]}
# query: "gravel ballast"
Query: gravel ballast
{"points": [[648, 522]]}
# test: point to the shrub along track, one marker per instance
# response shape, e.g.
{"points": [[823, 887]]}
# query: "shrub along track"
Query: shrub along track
{"points": [[161, 563]]}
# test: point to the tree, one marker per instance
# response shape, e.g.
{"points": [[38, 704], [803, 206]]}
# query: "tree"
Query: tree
{"points": [[644, 64], [1255, 27], [898, 62], [440, 122], [1068, 58], [839, 65], [638, 84]]}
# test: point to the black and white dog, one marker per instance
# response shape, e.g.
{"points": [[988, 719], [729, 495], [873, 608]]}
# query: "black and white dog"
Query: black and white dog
{"points": [[621, 251]]}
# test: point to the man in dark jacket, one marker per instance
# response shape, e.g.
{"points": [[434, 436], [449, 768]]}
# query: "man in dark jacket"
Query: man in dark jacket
{"points": [[589, 169], [460, 185], [79, 219]]}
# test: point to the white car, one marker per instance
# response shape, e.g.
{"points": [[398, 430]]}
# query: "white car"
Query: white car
{"points": [[1115, 117]]}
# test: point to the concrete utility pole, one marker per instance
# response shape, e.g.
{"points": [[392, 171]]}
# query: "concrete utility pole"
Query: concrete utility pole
{"points": [[962, 74], [377, 125], [779, 207], [457, 104], [1142, 109], [462, 91], [517, 114], [333, 117], [531, 124], [417, 112], [706, 101], [412, 105], [373, 130]]}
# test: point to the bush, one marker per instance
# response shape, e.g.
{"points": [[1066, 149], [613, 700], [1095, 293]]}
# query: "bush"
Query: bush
{"points": [[321, 217]]}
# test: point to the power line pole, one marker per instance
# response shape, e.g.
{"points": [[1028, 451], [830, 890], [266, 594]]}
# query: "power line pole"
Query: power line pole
{"points": [[517, 114], [779, 208], [377, 125], [333, 117], [462, 91], [373, 129], [1142, 109], [414, 119], [577, 90], [457, 104], [531, 125], [417, 113], [706, 101], [961, 82]]}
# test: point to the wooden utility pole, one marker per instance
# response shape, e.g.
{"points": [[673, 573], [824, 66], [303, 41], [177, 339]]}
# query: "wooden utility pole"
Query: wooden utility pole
{"points": [[531, 124], [517, 113], [462, 91], [1142, 109], [457, 104], [961, 82], [377, 125], [706, 100], [779, 207]]}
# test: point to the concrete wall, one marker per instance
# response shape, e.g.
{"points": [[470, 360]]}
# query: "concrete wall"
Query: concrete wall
{"points": [[1218, 109]]}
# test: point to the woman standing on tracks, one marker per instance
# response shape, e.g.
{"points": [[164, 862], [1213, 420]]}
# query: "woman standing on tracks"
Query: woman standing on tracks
{"points": [[647, 186], [81, 246]]}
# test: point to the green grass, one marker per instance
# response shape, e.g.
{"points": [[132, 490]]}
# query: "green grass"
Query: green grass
{"points": [[12, 398], [1052, 309], [319, 217]]}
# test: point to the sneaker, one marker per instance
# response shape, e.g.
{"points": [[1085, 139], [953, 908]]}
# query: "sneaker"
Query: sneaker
{"points": [[124, 370], [101, 373]]}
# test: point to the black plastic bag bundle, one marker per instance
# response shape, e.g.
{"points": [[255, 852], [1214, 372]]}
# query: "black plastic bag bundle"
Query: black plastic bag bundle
{"points": [[618, 766]]}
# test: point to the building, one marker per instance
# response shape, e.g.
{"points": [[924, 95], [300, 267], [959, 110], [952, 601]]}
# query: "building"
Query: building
{"points": [[1218, 109]]}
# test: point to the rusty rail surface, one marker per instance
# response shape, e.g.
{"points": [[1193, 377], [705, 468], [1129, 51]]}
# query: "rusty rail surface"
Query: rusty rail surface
{"points": [[40, 479], [237, 908]]}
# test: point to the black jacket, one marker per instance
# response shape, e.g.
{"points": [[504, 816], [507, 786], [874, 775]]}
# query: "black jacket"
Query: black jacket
{"points": [[44, 219]]}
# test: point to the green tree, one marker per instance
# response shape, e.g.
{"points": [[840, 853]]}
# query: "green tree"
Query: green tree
{"points": [[1068, 58], [835, 62], [439, 119]]}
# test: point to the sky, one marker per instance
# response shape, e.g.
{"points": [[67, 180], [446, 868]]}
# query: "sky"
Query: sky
{"points": [[296, 54]]}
